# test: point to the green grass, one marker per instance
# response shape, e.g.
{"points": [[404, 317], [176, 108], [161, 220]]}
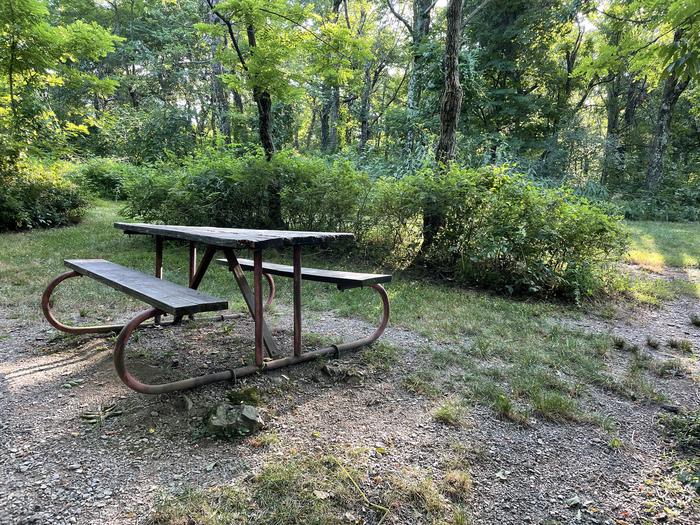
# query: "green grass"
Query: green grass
{"points": [[658, 244], [319, 490]]}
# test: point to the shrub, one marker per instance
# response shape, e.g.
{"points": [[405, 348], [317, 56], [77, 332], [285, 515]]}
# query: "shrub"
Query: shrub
{"points": [[502, 231], [677, 199], [322, 196], [218, 189], [148, 195], [396, 219], [146, 134], [38, 196], [104, 177], [499, 229]]}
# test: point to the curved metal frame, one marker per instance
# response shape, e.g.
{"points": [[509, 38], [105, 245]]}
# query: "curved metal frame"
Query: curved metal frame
{"points": [[132, 382], [383, 322], [126, 330], [271, 291], [46, 308]]}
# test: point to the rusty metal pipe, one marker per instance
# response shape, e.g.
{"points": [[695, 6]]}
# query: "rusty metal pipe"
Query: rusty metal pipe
{"points": [[384, 321], [258, 305], [271, 289], [144, 388], [46, 308], [297, 299]]}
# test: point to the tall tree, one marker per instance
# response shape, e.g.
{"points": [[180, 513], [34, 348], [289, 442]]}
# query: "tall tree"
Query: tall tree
{"points": [[450, 107], [35, 57], [451, 103], [418, 28]]}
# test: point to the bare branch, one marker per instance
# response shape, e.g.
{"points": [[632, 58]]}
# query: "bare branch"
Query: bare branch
{"points": [[229, 26], [399, 17]]}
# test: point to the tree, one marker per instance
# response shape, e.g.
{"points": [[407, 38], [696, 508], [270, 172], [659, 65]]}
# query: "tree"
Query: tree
{"points": [[261, 34], [450, 106], [418, 28], [451, 103], [35, 57]]}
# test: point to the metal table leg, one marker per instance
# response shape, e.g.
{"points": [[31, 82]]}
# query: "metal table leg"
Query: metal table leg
{"points": [[297, 300]]}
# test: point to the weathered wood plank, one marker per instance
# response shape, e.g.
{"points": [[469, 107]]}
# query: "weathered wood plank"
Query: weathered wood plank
{"points": [[233, 237], [164, 295], [342, 279]]}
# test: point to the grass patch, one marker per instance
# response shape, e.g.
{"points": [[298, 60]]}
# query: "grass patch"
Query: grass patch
{"points": [[300, 490], [658, 244], [684, 429], [682, 345], [451, 412], [651, 290], [245, 396], [381, 355], [319, 490]]}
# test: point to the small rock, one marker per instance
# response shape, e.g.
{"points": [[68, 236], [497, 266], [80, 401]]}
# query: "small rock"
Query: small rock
{"points": [[230, 421], [183, 403]]}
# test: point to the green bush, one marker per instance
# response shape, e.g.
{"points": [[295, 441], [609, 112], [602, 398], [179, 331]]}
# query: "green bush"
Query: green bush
{"points": [[394, 232], [322, 196], [219, 189], [677, 199], [38, 197], [502, 231], [104, 177], [149, 133]]}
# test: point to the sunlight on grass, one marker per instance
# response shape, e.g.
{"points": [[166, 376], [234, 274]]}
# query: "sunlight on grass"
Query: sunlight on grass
{"points": [[658, 244]]}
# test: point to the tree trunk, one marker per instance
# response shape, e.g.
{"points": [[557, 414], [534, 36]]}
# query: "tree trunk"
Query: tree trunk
{"points": [[325, 116], [329, 119], [220, 103], [263, 100], [333, 120], [365, 109], [420, 28], [451, 102], [450, 106], [673, 88], [610, 168], [312, 125]]}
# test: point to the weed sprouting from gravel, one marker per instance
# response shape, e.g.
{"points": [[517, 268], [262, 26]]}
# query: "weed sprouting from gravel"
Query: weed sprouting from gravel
{"points": [[682, 345], [246, 396], [451, 412], [381, 355], [619, 342], [652, 342]]}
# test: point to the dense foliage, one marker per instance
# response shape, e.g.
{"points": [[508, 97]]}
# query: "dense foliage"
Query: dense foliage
{"points": [[393, 119], [501, 230], [39, 197], [602, 92]]}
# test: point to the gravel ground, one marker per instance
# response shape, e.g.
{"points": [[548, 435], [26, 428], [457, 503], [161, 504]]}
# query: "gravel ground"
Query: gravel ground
{"points": [[56, 468]]}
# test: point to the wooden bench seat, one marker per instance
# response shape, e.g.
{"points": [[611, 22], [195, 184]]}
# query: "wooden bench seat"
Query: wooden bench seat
{"points": [[342, 279], [166, 296]]}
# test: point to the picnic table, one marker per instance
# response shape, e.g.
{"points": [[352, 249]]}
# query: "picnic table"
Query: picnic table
{"points": [[167, 298]]}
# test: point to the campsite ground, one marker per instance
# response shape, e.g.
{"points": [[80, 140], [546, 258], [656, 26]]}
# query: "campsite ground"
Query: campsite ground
{"points": [[474, 409]]}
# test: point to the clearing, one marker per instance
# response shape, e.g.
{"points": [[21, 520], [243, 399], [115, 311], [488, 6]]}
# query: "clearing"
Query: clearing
{"points": [[473, 409]]}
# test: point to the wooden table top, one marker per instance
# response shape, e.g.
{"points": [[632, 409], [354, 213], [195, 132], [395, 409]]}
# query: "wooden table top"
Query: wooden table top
{"points": [[233, 237]]}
